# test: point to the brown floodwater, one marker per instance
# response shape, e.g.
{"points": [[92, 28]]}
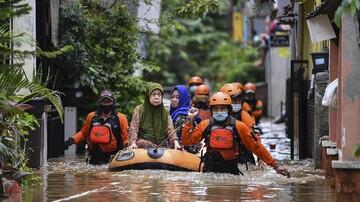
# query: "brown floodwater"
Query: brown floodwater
{"points": [[71, 180]]}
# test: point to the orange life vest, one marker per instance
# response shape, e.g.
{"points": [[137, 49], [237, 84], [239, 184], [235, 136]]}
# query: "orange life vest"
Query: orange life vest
{"points": [[225, 139], [105, 135]]}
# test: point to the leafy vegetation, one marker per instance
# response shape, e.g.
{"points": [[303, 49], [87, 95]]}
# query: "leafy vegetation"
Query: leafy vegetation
{"points": [[15, 88], [190, 45], [347, 6], [230, 63], [105, 55]]}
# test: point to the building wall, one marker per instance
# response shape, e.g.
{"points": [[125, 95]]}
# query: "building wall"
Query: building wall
{"points": [[333, 74], [277, 71], [350, 85], [27, 24]]}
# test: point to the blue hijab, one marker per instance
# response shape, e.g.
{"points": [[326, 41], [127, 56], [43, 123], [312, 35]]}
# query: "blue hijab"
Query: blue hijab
{"points": [[184, 102]]}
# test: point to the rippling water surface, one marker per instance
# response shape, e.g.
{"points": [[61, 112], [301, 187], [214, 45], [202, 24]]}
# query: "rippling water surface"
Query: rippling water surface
{"points": [[69, 179]]}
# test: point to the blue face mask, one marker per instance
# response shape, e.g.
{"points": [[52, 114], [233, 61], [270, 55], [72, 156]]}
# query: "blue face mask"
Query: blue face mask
{"points": [[236, 107], [192, 89], [220, 116]]}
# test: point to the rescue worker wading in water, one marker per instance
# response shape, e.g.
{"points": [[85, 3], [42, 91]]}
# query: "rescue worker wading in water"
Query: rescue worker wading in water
{"points": [[235, 92], [105, 130], [193, 83], [201, 101], [223, 134], [252, 105]]}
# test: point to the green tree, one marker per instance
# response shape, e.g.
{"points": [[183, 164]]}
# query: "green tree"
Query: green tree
{"points": [[105, 54], [15, 123], [185, 41], [194, 40]]}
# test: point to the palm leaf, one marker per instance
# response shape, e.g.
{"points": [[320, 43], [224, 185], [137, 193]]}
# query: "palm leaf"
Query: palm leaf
{"points": [[13, 81]]}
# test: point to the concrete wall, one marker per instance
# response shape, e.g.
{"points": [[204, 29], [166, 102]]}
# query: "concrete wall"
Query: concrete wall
{"points": [[350, 85], [321, 116], [26, 24], [277, 71]]}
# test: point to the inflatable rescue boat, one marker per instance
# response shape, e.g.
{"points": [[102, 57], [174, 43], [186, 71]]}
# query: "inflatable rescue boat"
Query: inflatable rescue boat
{"points": [[155, 158]]}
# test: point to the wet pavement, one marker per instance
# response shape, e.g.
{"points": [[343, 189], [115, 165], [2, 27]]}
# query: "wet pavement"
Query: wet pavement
{"points": [[69, 179]]}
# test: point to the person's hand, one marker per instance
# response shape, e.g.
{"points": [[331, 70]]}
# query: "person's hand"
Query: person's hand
{"points": [[256, 129], [177, 145], [282, 171], [261, 164], [132, 146], [70, 141], [193, 112]]}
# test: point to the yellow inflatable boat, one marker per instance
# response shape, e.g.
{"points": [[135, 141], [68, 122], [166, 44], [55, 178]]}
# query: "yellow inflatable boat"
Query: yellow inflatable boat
{"points": [[160, 158]]}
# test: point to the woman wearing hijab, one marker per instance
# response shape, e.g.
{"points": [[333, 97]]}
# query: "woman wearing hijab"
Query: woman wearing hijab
{"points": [[151, 124], [179, 108]]}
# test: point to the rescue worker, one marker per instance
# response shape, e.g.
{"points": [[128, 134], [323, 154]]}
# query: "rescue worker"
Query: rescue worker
{"points": [[201, 101], [151, 125], [105, 130], [252, 105], [193, 83], [223, 134], [238, 84], [235, 92], [179, 108]]}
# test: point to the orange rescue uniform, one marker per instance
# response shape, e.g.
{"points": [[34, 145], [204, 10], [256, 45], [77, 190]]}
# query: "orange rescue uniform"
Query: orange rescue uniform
{"points": [[84, 132], [246, 138], [257, 112], [245, 118]]}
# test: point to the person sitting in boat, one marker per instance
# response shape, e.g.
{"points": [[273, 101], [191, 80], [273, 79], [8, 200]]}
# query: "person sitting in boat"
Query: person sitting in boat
{"points": [[179, 108], [201, 101], [105, 130], [151, 124], [223, 134]]}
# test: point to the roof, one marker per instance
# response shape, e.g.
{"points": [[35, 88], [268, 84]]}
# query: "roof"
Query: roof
{"points": [[327, 7]]}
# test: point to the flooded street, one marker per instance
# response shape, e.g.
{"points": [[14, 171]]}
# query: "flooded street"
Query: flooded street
{"points": [[69, 179]]}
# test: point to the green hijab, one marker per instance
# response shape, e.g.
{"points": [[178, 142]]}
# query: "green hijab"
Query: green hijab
{"points": [[154, 119]]}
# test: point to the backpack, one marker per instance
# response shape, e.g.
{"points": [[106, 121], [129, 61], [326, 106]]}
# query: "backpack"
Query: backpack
{"points": [[112, 125]]}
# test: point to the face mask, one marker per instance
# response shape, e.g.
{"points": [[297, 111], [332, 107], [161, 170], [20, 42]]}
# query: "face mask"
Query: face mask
{"points": [[236, 107], [106, 108], [192, 89], [220, 116]]}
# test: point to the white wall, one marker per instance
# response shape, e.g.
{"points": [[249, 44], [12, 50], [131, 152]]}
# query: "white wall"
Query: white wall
{"points": [[27, 24], [277, 71]]}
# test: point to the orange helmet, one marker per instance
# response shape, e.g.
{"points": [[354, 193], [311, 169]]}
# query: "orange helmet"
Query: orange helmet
{"points": [[249, 88], [220, 98], [240, 85], [195, 80], [202, 90], [231, 89]]}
